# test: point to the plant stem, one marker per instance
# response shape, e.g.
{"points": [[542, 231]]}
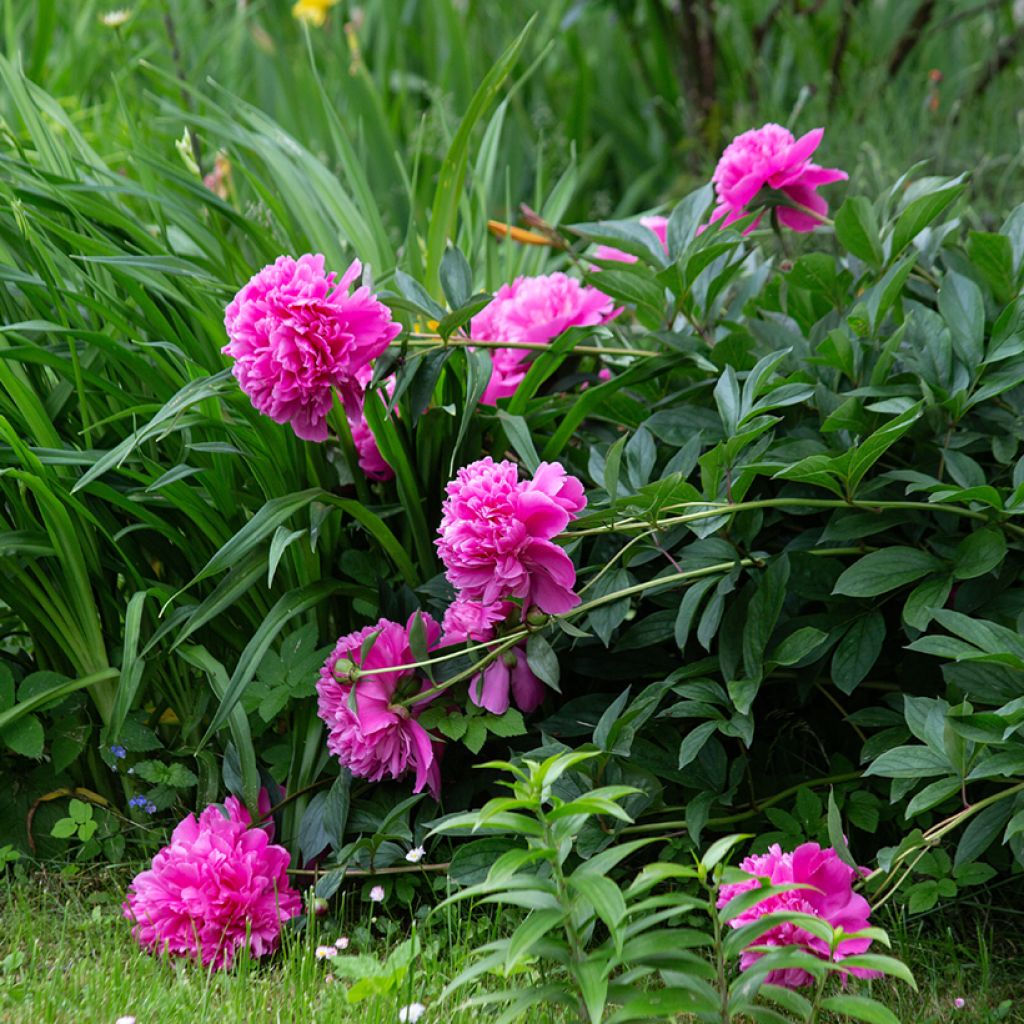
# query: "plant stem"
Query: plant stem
{"points": [[425, 340], [711, 509]]}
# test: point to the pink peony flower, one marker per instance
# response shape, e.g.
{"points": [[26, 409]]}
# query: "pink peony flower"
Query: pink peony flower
{"points": [[371, 462], [495, 534], [369, 731], [218, 887], [657, 224], [535, 310], [296, 335], [510, 673], [832, 898], [472, 620], [769, 157]]}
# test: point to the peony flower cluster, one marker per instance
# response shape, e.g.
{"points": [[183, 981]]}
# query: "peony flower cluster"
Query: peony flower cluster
{"points": [[771, 158], [369, 730], [533, 310], [496, 544], [657, 224], [297, 335], [218, 887], [831, 898]]}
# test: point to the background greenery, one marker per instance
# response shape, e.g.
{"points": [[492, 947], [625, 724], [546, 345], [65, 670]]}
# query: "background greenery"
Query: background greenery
{"points": [[173, 565]]}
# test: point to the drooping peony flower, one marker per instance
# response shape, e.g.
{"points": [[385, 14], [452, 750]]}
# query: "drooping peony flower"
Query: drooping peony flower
{"points": [[296, 335], [495, 534], [217, 887], [769, 157], [509, 675], [657, 224], [534, 310], [832, 898], [369, 731]]}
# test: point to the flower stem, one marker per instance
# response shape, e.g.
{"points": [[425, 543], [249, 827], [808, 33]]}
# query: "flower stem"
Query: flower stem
{"points": [[425, 340]]}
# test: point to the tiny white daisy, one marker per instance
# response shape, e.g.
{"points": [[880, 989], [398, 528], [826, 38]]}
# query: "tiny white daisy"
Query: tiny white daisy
{"points": [[415, 855], [325, 952], [377, 894], [125, 1020], [341, 943], [411, 1013], [115, 19]]}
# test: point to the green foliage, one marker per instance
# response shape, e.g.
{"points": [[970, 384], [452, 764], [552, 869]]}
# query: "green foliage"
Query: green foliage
{"points": [[801, 555], [638, 951]]}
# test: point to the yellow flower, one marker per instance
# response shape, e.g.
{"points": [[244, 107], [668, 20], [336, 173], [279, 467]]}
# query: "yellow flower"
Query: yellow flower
{"points": [[312, 12]]}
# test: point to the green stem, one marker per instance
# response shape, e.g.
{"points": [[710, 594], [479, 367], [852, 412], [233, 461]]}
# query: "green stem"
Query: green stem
{"points": [[710, 509], [936, 832], [432, 341], [828, 780]]}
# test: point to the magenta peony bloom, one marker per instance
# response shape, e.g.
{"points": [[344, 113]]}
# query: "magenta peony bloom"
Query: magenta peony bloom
{"points": [[296, 335], [769, 157], [472, 620], [218, 887], [832, 898], [371, 462], [509, 673], [534, 310], [657, 224], [369, 731], [495, 534]]}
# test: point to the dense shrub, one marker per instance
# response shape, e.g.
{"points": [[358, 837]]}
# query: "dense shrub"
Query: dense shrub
{"points": [[798, 563]]}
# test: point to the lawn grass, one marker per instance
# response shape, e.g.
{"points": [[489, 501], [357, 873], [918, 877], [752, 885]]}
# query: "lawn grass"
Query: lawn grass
{"points": [[66, 956]]}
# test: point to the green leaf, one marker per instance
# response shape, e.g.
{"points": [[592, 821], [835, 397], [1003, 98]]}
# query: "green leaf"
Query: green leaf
{"points": [[860, 1008], [909, 762], [881, 571], [885, 964], [693, 742], [519, 435], [684, 220], [981, 831], [337, 807], [856, 228], [992, 254], [979, 553], [921, 211], [872, 448], [836, 836], [762, 615], [24, 736], [452, 177], [932, 795], [800, 644], [537, 924], [456, 277], [604, 896], [543, 661], [924, 599], [963, 308], [858, 651], [131, 666], [720, 848], [64, 828]]}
